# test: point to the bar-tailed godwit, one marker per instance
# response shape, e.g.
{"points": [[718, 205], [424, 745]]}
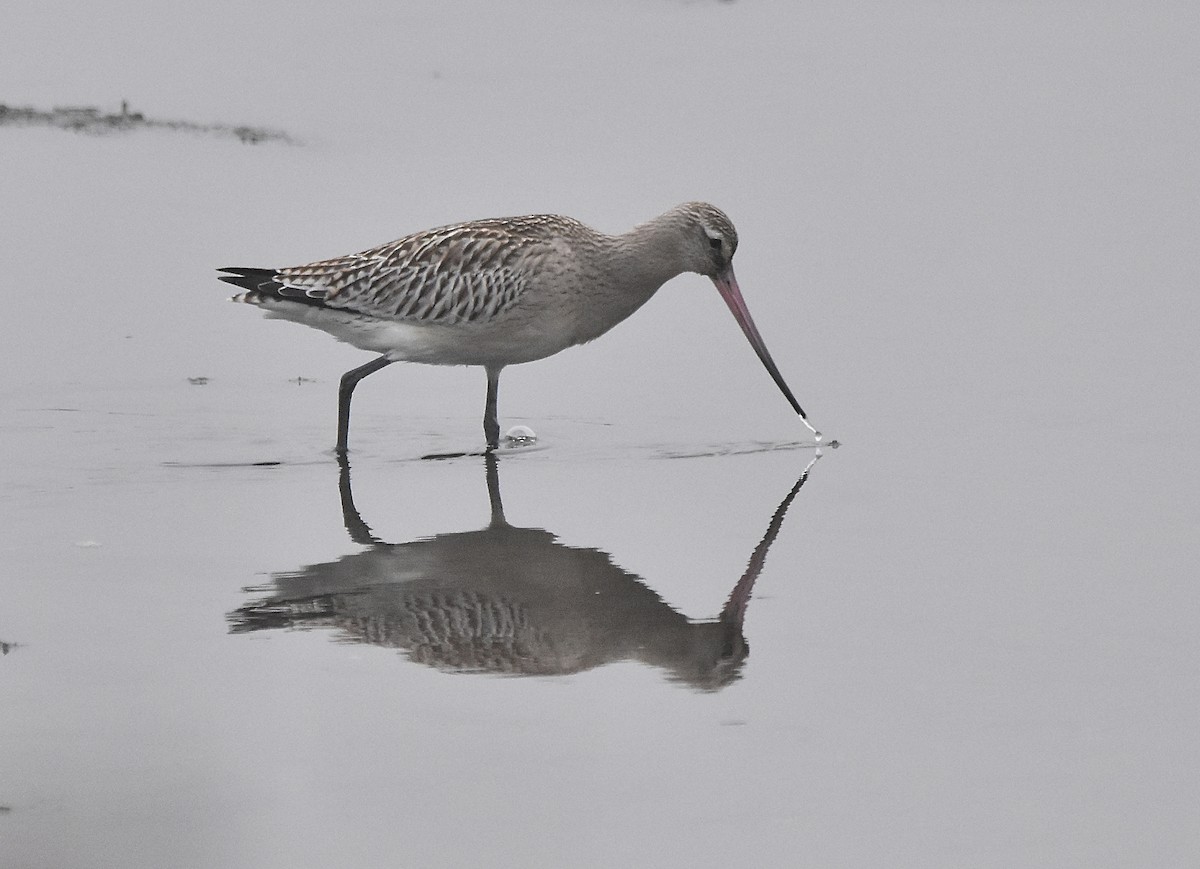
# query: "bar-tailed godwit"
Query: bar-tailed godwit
{"points": [[499, 292]]}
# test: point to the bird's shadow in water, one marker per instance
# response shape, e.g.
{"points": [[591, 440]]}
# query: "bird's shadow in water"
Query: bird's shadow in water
{"points": [[506, 600]]}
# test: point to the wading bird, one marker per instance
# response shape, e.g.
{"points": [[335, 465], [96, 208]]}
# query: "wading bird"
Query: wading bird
{"points": [[499, 292]]}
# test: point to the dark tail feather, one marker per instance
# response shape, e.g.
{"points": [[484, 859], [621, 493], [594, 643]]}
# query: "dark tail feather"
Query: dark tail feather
{"points": [[255, 280], [260, 285]]}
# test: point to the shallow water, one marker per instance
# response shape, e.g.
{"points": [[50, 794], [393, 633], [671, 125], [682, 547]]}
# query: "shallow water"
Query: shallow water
{"points": [[968, 639]]}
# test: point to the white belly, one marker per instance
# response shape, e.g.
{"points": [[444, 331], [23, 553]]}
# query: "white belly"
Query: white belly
{"points": [[507, 341]]}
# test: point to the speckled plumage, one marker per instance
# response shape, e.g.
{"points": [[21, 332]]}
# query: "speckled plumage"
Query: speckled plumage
{"points": [[466, 273], [496, 292]]}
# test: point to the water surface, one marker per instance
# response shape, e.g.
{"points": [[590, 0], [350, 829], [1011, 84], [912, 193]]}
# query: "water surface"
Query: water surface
{"points": [[968, 238]]}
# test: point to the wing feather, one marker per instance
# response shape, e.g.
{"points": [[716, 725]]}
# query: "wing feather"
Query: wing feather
{"points": [[468, 272]]}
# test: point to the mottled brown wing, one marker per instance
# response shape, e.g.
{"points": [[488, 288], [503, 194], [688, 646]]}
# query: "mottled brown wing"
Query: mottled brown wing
{"points": [[469, 272]]}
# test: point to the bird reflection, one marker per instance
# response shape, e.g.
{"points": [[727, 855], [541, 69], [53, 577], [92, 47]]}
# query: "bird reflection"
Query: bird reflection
{"points": [[507, 600]]}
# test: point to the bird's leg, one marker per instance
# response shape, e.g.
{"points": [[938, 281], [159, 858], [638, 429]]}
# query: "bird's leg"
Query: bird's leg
{"points": [[346, 390], [491, 426]]}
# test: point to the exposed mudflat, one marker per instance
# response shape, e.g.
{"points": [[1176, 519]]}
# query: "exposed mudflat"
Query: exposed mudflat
{"points": [[92, 119]]}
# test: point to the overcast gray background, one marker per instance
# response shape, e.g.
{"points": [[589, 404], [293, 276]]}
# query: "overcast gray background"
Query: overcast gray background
{"points": [[968, 235]]}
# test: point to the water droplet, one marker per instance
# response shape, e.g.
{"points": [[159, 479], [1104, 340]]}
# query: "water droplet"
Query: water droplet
{"points": [[519, 435]]}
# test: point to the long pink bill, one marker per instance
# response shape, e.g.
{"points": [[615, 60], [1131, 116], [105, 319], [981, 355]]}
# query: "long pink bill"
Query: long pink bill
{"points": [[727, 285]]}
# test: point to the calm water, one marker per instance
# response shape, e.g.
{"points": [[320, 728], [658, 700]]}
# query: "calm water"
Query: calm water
{"points": [[662, 637]]}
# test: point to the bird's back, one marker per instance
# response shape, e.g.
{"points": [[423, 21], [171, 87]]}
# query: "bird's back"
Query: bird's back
{"points": [[463, 273]]}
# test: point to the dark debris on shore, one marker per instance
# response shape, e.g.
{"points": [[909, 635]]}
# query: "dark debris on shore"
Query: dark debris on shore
{"points": [[90, 119]]}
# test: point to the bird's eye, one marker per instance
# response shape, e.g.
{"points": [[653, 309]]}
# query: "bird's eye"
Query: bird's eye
{"points": [[714, 243]]}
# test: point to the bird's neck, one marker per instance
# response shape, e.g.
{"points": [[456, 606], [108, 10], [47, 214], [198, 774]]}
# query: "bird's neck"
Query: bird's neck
{"points": [[647, 257], [629, 270]]}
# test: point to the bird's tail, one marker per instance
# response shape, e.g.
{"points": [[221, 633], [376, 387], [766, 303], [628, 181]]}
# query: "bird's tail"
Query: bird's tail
{"points": [[254, 280]]}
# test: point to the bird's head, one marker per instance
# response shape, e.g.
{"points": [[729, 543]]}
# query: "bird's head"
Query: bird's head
{"points": [[708, 238]]}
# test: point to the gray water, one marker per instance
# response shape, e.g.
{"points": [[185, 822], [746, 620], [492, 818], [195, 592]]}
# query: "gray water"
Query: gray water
{"points": [[968, 638]]}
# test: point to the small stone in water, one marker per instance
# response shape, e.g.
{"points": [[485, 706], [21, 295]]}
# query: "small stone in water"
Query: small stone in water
{"points": [[520, 434]]}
